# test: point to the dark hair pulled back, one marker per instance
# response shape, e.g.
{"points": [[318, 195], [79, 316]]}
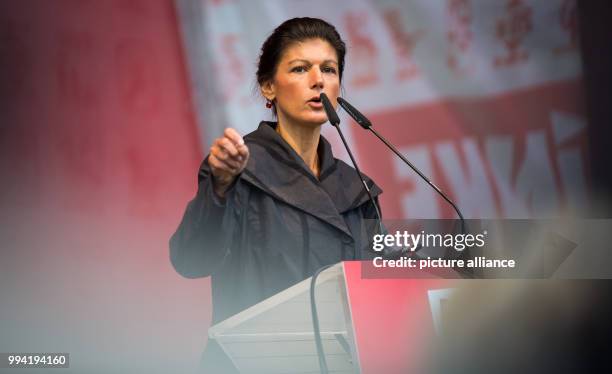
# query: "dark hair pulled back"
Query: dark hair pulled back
{"points": [[293, 31]]}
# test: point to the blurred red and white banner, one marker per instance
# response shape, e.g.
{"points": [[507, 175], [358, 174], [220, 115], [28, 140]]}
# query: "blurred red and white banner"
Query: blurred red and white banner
{"points": [[483, 96]]}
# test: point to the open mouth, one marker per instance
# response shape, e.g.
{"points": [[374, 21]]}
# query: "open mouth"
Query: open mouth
{"points": [[315, 102]]}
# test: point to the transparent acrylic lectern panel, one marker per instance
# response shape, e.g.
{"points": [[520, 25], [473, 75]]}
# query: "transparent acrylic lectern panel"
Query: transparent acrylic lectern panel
{"points": [[276, 335]]}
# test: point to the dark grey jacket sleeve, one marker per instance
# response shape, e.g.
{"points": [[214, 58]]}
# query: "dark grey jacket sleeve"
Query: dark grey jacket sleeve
{"points": [[204, 236]]}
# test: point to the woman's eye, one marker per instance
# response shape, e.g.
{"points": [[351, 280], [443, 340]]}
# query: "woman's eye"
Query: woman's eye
{"points": [[298, 69], [329, 70]]}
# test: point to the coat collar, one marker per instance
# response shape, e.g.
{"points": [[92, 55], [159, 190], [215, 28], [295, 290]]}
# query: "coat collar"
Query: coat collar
{"points": [[275, 168]]}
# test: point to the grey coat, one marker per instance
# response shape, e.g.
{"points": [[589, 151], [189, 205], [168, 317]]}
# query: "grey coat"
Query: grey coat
{"points": [[277, 225]]}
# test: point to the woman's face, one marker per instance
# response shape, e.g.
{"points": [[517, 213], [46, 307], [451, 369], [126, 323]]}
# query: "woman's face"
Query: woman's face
{"points": [[305, 70]]}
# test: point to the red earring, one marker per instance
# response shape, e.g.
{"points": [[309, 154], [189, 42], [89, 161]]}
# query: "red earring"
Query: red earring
{"points": [[268, 104]]}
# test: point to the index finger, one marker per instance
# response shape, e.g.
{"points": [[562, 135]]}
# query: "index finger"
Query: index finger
{"points": [[234, 136], [243, 150]]}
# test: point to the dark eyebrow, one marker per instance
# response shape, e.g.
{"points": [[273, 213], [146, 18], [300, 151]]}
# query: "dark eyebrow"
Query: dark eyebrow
{"points": [[309, 63], [299, 60]]}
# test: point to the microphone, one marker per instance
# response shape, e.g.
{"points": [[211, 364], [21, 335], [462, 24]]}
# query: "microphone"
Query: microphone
{"points": [[361, 120], [333, 118], [364, 122]]}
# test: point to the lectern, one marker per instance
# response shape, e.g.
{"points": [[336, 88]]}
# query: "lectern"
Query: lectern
{"points": [[367, 325], [276, 335]]}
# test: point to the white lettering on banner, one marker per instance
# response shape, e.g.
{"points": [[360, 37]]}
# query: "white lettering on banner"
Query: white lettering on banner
{"points": [[535, 181], [500, 153], [535, 192], [469, 184]]}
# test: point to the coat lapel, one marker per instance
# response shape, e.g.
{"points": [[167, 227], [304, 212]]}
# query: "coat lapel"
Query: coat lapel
{"points": [[275, 168]]}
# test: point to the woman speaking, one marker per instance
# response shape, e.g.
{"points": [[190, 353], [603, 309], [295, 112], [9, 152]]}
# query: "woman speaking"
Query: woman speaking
{"points": [[275, 206]]}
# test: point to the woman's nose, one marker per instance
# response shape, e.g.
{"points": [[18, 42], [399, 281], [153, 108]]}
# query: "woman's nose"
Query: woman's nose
{"points": [[316, 78]]}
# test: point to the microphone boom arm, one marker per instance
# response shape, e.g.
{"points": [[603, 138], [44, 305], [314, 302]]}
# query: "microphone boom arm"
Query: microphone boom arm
{"points": [[364, 122]]}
